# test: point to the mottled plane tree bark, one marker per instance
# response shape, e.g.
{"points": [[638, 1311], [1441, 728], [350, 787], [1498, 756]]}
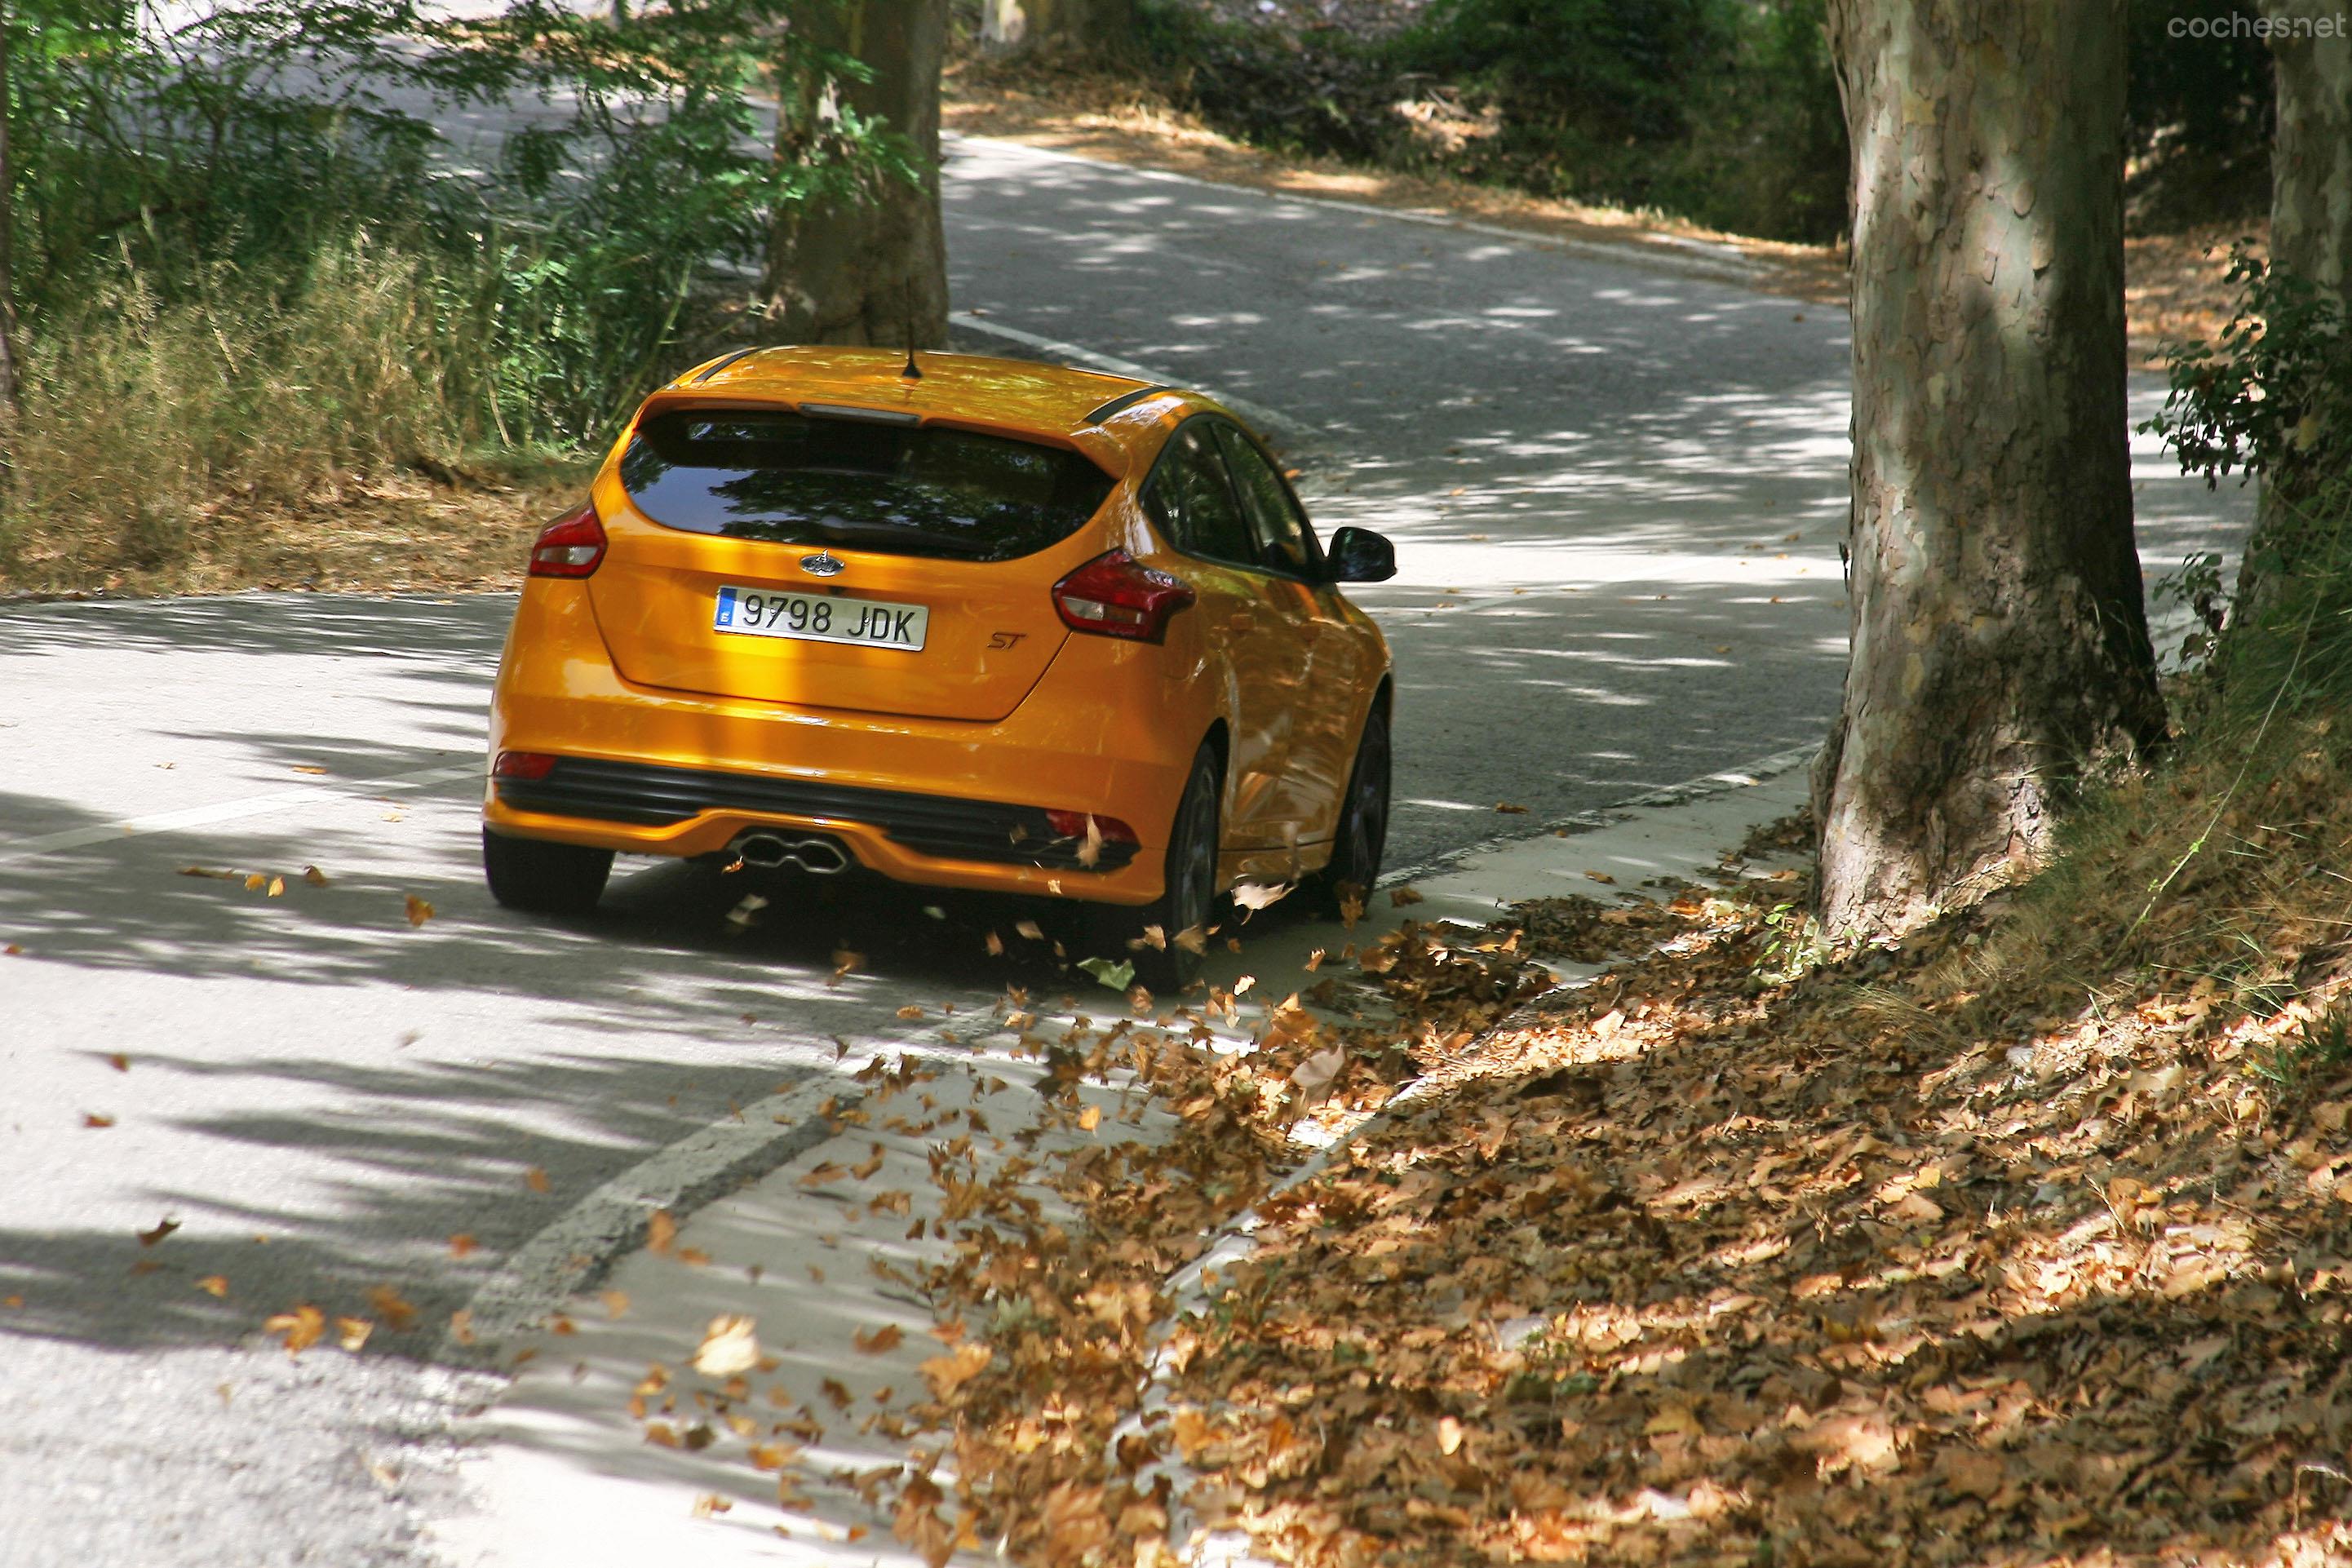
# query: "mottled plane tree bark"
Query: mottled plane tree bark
{"points": [[2000, 637], [2311, 158], [2311, 218], [1097, 27], [870, 270]]}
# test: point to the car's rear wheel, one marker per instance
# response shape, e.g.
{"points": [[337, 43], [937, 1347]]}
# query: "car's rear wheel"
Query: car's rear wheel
{"points": [[1187, 900], [544, 878], [1363, 822]]}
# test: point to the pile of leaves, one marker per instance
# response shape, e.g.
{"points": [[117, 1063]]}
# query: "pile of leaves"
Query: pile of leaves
{"points": [[1987, 1246], [1057, 1264], [2026, 1239]]}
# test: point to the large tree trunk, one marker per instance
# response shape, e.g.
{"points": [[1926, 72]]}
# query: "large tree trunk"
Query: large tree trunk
{"points": [[1999, 634], [872, 271], [2311, 218], [2311, 159], [1058, 27]]}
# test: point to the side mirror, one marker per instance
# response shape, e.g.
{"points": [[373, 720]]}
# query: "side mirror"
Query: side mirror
{"points": [[1360, 555]]}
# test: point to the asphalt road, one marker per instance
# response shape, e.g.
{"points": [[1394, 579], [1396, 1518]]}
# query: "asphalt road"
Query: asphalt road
{"points": [[1615, 491]]}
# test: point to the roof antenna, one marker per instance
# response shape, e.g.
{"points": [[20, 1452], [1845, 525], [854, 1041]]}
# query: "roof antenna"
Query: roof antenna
{"points": [[910, 371]]}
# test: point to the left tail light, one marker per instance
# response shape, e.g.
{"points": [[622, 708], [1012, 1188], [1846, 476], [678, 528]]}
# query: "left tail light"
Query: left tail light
{"points": [[1116, 595], [570, 546]]}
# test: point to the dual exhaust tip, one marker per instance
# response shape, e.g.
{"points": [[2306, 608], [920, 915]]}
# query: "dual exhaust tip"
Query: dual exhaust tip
{"points": [[817, 856]]}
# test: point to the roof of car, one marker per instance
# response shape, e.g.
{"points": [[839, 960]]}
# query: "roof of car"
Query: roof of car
{"points": [[1107, 417]]}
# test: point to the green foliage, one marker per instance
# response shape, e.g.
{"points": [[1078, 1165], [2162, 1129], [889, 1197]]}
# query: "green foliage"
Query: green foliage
{"points": [[2319, 1053], [1592, 73], [1714, 109], [231, 179], [1795, 945], [2273, 396], [1724, 112]]}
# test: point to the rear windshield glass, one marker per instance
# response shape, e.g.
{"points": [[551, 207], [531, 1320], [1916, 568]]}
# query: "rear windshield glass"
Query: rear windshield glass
{"points": [[779, 476]]}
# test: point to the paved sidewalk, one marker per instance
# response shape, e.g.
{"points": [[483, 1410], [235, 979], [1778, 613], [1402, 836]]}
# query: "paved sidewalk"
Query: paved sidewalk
{"points": [[817, 1256]]}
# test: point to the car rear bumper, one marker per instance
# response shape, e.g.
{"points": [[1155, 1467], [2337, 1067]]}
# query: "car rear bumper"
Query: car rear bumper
{"points": [[940, 803]]}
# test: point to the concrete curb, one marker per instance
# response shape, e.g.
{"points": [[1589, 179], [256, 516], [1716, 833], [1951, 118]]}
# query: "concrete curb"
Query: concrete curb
{"points": [[1740, 777], [1188, 1289], [577, 1248]]}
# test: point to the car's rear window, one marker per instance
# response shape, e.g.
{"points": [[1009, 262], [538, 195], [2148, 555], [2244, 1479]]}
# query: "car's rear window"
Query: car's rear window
{"points": [[782, 477]]}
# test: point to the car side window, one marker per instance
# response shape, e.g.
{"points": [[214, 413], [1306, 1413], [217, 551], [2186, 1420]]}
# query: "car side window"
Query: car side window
{"points": [[1284, 541], [1193, 502]]}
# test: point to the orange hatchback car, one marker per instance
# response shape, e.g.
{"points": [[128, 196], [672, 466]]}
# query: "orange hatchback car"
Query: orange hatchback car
{"points": [[964, 622]]}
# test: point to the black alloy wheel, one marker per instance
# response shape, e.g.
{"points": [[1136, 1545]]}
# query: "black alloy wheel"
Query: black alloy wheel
{"points": [[1363, 830], [542, 877], [1187, 901]]}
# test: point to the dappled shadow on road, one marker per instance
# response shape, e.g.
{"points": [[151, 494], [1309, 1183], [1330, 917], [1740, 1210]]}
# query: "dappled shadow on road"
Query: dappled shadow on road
{"points": [[452, 634]]}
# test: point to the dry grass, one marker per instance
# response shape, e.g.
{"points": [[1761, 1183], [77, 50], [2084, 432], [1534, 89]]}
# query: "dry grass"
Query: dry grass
{"points": [[262, 430]]}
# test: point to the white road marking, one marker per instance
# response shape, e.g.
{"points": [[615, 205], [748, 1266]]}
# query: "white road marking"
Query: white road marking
{"points": [[225, 811]]}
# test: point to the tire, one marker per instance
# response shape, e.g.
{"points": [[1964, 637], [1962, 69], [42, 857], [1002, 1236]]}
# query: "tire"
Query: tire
{"points": [[1189, 897], [542, 877], [1363, 829]]}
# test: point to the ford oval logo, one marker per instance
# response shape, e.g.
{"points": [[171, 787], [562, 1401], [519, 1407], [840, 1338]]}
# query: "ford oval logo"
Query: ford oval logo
{"points": [[821, 564]]}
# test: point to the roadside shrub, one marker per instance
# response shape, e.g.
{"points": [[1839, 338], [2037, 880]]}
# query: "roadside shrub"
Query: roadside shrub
{"points": [[2270, 400], [1712, 109], [246, 278]]}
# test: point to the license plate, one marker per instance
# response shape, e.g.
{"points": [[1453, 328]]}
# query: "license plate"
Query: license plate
{"points": [[820, 617]]}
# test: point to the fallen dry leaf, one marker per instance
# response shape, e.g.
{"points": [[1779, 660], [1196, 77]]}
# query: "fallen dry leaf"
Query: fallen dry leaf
{"points": [[214, 1284], [875, 1342], [419, 911], [94, 1118], [353, 1333], [660, 1231], [730, 1346], [462, 1244], [396, 1311], [535, 1179], [948, 1373], [163, 1227], [1252, 897], [301, 1327]]}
